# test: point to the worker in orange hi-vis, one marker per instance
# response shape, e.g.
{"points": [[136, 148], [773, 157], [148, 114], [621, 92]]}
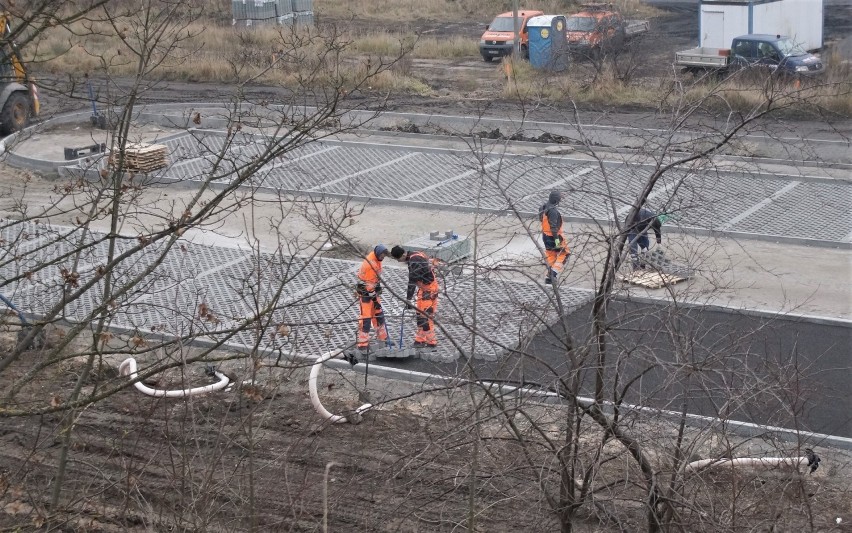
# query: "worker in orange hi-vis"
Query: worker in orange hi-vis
{"points": [[368, 289], [555, 246], [421, 278]]}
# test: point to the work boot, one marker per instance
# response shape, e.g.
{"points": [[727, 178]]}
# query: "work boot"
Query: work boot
{"points": [[551, 278], [419, 344]]}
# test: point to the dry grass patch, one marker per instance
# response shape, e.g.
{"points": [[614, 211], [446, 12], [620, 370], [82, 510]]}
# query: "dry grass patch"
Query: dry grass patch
{"points": [[274, 55], [423, 47], [831, 93], [390, 11], [606, 89], [746, 94]]}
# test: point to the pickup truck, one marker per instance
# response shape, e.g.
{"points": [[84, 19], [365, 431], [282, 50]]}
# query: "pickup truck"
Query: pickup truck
{"points": [[773, 52], [499, 37], [600, 27]]}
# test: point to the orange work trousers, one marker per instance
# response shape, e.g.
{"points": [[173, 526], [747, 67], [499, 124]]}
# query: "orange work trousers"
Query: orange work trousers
{"points": [[427, 306], [370, 314], [556, 259]]}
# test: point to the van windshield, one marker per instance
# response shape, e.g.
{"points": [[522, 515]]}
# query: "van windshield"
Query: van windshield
{"points": [[503, 24], [790, 48], [576, 23]]}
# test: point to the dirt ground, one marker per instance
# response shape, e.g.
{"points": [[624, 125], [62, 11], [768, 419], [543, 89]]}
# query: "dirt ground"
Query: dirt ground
{"points": [[260, 458]]}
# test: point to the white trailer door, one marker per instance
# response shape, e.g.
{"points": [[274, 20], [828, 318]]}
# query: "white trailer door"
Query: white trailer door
{"points": [[713, 29]]}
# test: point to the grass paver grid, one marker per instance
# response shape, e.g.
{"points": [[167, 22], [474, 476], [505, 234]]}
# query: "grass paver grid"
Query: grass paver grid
{"points": [[317, 303]]}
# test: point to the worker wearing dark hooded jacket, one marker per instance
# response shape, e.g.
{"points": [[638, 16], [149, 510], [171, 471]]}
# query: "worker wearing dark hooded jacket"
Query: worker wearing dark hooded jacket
{"points": [[368, 289], [422, 280], [555, 247], [637, 233]]}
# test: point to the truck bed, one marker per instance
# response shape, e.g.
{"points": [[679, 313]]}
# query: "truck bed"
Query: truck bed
{"points": [[703, 57], [635, 27]]}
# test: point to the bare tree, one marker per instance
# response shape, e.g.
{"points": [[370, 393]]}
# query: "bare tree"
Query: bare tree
{"points": [[694, 370], [112, 268], [124, 276]]}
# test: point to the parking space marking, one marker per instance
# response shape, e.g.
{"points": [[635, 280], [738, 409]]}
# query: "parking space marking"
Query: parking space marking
{"points": [[448, 180], [362, 172], [758, 206]]}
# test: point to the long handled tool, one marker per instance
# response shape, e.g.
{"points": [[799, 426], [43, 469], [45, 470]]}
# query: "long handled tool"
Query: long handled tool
{"points": [[388, 341], [401, 329], [98, 120]]}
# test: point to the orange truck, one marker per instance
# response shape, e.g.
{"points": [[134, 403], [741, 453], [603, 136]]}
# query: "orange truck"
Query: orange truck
{"points": [[599, 27], [499, 37]]}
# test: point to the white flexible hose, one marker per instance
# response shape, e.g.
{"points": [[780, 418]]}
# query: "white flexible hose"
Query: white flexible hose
{"points": [[312, 386], [748, 461], [128, 368]]}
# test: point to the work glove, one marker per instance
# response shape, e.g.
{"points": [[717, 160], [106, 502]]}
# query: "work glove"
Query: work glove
{"points": [[371, 294], [558, 243], [660, 240], [378, 288], [567, 257], [409, 304]]}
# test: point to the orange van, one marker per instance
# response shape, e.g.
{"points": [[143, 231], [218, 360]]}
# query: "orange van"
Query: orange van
{"points": [[499, 37]]}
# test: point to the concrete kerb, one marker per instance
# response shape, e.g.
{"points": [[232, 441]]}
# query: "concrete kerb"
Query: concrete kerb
{"points": [[182, 119], [217, 116], [743, 429], [758, 313]]}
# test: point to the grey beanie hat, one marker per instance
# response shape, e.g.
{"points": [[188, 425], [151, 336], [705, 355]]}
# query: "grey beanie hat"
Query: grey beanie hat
{"points": [[554, 198]]}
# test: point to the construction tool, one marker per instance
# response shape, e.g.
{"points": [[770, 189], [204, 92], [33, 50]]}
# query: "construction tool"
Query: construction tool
{"points": [[453, 237], [401, 328], [98, 120]]}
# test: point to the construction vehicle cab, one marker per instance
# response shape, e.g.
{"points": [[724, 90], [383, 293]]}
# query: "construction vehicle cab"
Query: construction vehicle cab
{"points": [[596, 27], [18, 94], [499, 37]]}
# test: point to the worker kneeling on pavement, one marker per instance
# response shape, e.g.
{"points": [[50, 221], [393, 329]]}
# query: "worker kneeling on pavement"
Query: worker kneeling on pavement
{"points": [[422, 279], [555, 246], [368, 289]]}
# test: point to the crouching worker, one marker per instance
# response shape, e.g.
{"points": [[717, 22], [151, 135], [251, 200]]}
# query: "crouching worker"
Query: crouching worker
{"points": [[422, 279], [368, 289], [637, 234]]}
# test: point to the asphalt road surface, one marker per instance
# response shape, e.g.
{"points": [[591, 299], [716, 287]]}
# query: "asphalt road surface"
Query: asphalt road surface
{"points": [[777, 370]]}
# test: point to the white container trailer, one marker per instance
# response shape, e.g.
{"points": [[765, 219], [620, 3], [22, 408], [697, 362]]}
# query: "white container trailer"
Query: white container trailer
{"points": [[720, 21]]}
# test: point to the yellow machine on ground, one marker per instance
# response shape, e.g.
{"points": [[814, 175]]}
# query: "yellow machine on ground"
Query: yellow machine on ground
{"points": [[18, 94]]}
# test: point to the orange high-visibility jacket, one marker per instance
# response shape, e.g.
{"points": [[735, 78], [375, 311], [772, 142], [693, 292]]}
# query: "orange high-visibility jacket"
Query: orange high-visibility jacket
{"points": [[551, 221], [370, 271]]}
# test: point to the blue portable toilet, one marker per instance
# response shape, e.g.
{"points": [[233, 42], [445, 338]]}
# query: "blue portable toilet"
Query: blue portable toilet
{"points": [[548, 42]]}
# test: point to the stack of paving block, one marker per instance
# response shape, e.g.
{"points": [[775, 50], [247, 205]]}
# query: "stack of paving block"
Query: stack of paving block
{"points": [[253, 13], [658, 260], [659, 271], [141, 157], [447, 246]]}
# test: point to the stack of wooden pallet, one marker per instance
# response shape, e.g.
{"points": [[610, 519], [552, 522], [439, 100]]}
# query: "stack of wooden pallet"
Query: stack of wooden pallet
{"points": [[141, 157]]}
